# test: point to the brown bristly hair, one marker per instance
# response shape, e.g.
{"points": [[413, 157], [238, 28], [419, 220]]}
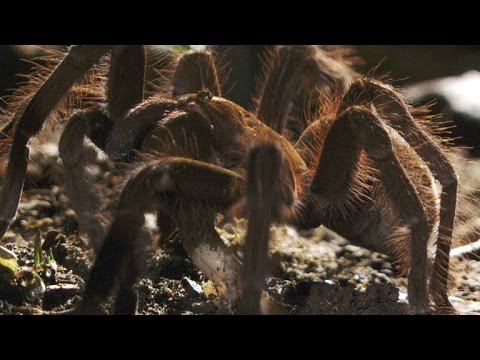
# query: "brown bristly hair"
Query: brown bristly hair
{"points": [[345, 55], [365, 174], [85, 94], [159, 69], [161, 66], [224, 69], [465, 228]]}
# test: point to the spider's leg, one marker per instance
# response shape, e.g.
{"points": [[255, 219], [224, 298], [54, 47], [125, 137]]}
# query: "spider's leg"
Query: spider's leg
{"points": [[294, 79], [244, 64], [398, 115], [165, 224], [356, 129], [124, 90], [263, 201], [76, 152], [126, 79], [126, 301], [280, 86], [187, 135], [196, 71], [142, 125], [78, 60], [192, 185]]}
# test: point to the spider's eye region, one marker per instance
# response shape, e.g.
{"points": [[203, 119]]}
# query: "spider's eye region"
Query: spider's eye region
{"points": [[205, 95]]}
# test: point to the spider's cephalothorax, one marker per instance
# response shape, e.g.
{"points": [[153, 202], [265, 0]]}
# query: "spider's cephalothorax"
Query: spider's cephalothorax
{"points": [[361, 166]]}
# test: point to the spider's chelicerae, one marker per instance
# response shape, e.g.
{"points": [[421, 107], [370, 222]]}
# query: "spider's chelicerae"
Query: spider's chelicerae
{"points": [[362, 165]]}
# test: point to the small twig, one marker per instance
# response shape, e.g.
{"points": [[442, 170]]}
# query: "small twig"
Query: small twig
{"points": [[465, 249]]}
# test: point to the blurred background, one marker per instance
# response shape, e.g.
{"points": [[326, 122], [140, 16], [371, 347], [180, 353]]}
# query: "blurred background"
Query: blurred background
{"points": [[416, 63], [413, 63], [457, 99]]}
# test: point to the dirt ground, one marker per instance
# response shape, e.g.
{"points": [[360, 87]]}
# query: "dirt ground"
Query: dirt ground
{"points": [[312, 273]]}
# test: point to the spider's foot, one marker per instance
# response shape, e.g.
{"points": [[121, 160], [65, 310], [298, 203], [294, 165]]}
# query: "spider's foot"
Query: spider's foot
{"points": [[4, 225], [421, 309], [443, 306], [126, 302], [88, 308]]}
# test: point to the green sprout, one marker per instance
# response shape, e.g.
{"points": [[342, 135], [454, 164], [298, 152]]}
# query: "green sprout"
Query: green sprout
{"points": [[37, 251], [41, 262]]}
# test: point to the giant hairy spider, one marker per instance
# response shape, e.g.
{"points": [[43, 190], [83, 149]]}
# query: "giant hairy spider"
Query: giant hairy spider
{"points": [[364, 167]]}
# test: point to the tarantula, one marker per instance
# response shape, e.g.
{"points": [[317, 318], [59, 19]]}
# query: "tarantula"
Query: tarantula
{"points": [[363, 167]]}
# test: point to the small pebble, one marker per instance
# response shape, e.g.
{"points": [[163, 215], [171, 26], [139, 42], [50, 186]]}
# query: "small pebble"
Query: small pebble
{"points": [[387, 272], [210, 290], [376, 264], [34, 204], [116, 180], [168, 293], [7, 254], [65, 290], [70, 213], [194, 290]]}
